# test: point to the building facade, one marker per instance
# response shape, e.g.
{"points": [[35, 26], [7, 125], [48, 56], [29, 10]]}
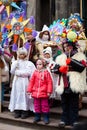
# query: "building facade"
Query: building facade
{"points": [[46, 11]]}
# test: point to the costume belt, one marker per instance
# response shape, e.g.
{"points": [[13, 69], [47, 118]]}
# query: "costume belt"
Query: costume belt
{"points": [[22, 76]]}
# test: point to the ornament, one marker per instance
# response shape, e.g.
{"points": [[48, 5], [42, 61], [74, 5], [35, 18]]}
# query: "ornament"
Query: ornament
{"points": [[7, 4], [18, 28], [72, 36]]}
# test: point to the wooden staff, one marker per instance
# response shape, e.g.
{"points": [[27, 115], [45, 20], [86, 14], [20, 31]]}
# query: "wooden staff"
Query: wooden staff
{"points": [[1, 66], [18, 46], [29, 51]]}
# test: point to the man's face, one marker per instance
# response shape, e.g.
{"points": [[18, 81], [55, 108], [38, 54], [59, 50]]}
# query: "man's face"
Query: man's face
{"points": [[68, 48]]}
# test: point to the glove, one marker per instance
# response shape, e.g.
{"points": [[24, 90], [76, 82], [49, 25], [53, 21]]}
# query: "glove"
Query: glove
{"points": [[84, 63], [68, 61], [63, 69], [55, 69]]}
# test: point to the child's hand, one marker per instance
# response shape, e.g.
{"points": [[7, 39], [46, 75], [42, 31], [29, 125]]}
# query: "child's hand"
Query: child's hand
{"points": [[48, 94], [29, 95]]}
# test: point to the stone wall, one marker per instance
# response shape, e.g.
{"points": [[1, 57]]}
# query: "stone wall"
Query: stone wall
{"points": [[65, 7], [41, 10], [31, 10]]}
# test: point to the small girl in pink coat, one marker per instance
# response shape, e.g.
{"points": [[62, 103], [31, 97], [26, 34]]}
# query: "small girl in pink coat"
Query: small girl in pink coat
{"points": [[40, 87]]}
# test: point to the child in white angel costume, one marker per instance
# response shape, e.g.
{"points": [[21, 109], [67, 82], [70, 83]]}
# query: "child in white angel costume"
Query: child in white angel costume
{"points": [[22, 69]]}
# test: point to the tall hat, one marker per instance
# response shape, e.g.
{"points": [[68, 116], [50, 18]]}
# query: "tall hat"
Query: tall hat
{"points": [[22, 50], [45, 28]]}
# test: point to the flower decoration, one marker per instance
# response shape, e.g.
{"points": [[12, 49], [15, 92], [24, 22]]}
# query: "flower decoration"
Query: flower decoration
{"points": [[56, 29], [75, 22], [72, 36]]}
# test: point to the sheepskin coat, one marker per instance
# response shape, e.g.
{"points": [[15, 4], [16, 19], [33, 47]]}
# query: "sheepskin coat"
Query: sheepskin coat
{"points": [[77, 80]]}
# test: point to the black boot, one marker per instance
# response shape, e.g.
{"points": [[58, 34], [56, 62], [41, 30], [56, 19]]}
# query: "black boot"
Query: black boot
{"points": [[17, 113], [46, 118], [37, 117], [24, 114]]}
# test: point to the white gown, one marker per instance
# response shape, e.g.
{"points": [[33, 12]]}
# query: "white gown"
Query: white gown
{"points": [[54, 78], [19, 99]]}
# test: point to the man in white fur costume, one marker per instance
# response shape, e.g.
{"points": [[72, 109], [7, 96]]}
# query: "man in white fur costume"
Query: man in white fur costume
{"points": [[71, 70]]}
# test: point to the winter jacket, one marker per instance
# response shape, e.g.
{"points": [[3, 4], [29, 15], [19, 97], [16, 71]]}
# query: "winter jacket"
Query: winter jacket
{"points": [[40, 84]]}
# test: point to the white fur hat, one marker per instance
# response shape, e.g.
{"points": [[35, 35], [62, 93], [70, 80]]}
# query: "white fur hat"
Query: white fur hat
{"points": [[48, 50], [22, 50], [45, 28]]}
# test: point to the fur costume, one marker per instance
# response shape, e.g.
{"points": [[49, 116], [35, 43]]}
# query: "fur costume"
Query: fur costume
{"points": [[77, 79]]}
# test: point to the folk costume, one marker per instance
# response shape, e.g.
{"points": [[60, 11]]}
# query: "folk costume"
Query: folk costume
{"points": [[71, 71]]}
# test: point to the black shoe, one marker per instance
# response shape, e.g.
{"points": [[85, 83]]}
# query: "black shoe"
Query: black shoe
{"points": [[17, 114], [37, 117], [24, 115], [75, 123], [61, 124], [46, 121], [46, 118], [36, 120]]}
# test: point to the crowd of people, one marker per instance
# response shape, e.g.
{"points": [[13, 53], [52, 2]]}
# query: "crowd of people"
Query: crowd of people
{"points": [[47, 71]]}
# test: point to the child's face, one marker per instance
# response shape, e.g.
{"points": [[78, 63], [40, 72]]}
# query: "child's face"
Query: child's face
{"points": [[39, 65], [47, 55], [22, 56]]}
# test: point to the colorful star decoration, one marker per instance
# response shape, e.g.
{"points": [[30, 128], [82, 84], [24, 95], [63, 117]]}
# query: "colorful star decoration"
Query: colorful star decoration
{"points": [[17, 29], [7, 4]]}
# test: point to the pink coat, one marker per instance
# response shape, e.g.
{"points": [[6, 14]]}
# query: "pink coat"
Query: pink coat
{"points": [[40, 84]]}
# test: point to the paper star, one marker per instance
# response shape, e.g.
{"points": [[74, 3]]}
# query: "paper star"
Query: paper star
{"points": [[6, 4]]}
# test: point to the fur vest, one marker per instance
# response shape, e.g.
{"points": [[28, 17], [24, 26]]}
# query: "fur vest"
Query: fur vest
{"points": [[77, 80]]}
